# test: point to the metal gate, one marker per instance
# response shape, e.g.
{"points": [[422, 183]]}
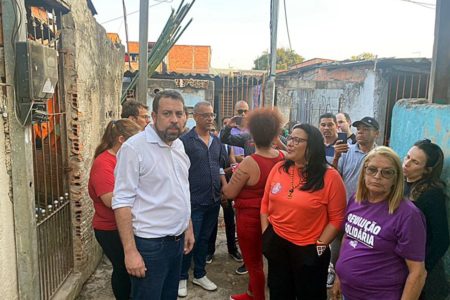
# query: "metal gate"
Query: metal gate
{"points": [[238, 86], [404, 85], [53, 216]]}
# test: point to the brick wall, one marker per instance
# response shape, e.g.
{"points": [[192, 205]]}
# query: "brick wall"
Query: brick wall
{"points": [[93, 69], [189, 59]]}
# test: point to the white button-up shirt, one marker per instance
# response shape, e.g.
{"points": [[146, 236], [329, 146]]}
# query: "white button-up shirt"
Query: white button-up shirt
{"points": [[152, 178]]}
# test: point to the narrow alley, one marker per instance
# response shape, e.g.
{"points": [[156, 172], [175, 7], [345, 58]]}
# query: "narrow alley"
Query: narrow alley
{"points": [[220, 271]]}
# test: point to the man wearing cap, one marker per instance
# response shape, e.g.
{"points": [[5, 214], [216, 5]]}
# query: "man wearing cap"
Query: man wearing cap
{"points": [[348, 160]]}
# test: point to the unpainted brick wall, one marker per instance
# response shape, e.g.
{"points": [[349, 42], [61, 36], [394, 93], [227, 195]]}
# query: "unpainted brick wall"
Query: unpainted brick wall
{"points": [[93, 69], [189, 59]]}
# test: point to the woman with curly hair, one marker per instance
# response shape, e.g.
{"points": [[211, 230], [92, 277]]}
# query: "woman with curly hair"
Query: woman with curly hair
{"points": [[247, 187]]}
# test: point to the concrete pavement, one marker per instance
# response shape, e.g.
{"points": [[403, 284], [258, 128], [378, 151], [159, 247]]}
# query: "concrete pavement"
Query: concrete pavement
{"points": [[220, 271]]}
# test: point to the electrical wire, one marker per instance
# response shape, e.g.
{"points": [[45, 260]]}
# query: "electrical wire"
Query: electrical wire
{"points": [[423, 4], [287, 26], [158, 2]]}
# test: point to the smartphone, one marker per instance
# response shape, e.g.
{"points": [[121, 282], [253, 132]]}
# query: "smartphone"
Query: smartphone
{"points": [[342, 136], [238, 120]]}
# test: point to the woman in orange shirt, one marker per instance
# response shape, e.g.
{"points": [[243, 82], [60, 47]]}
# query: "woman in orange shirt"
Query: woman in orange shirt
{"points": [[301, 213]]}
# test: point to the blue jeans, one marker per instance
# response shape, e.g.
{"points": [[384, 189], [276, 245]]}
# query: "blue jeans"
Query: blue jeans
{"points": [[204, 218], [230, 231], [162, 257]]}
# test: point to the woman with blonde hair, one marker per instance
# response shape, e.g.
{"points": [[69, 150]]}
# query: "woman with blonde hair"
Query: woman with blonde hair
{"points": [[383, 249], [101, 186]]}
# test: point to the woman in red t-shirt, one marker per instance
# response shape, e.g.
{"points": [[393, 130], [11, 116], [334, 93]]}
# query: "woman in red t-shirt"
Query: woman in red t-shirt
{"points": [[101, 186], [247, 187]]}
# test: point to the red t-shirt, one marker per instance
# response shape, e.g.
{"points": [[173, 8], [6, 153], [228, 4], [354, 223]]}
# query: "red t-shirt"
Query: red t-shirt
{"points": [[101, 181]]}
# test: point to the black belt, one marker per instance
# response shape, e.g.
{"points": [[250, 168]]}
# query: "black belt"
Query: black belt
{"points": [[175, 238]]}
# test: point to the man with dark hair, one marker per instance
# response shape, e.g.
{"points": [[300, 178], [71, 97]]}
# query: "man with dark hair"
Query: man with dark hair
{"points": [[344, 123], [328, 128], [136, 112], [151, 202], [206, 178]]}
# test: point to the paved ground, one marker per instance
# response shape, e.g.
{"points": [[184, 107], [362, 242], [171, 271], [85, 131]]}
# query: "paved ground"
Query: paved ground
{"points": [[220, 271]]}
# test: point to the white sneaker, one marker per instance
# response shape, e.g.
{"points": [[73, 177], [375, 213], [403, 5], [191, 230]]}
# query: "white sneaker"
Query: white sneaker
{"points": [[182, 288], [331, 276], [205, 283]]}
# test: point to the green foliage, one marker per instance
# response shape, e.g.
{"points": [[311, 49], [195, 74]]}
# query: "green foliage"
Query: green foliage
{"points": [[285, 58], [364, 56]]}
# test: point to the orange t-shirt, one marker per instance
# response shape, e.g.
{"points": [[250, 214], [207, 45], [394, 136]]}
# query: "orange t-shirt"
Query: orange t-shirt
{"points": [[302, 218]]}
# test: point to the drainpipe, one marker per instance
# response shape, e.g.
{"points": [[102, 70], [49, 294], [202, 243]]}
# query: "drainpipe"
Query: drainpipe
{"points": [[273, 49], [439, 91], [143, 52]]}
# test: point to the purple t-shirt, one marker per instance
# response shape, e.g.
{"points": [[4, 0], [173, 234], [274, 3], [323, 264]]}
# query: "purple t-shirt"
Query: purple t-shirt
{"points": [[371, 262]]}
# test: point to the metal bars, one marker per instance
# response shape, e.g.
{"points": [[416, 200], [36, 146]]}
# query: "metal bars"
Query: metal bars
{"points": [[404, 85], [53, 217], [236, 87]]}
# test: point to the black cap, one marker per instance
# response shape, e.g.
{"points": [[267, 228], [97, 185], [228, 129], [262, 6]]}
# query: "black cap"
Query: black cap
{"points": [[368, 121]]}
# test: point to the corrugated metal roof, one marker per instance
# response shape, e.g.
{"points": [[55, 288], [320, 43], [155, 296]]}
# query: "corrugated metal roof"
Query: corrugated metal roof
{"points": [[375, 63]]}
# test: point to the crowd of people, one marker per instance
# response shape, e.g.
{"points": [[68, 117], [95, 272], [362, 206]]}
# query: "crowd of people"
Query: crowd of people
{"points": [[333, 213]]}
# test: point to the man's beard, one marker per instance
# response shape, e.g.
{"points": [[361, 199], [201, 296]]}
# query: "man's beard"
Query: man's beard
{"points": [[166, 136]]}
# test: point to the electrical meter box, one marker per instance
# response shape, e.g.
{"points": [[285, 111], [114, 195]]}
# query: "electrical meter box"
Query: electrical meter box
{"points": [[36, 75]]}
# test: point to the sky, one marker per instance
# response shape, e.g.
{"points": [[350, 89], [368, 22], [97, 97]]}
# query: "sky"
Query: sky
{"points": [[238, 31]]}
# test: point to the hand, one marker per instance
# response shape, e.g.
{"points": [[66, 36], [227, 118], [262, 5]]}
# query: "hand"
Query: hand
{"points": [[336, 289], [340, 148], [233, 121], [189, 239], [135, 264], [224, 201]]}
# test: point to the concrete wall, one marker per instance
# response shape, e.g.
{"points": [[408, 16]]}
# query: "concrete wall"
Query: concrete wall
{"points": [[8, 275], [92, 85], [305, 100], [191, 94], [412, 120]]}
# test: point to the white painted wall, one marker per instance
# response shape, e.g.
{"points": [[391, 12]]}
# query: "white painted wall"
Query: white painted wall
{"points": [[360, 102]]}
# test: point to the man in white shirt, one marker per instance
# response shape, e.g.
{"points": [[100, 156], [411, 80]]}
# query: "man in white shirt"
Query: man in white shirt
{"points": [[151, 201]]}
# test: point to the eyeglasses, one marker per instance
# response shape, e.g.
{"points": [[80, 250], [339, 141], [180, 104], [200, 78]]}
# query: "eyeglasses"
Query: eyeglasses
{"points": [[144, 116], [242, 111], [207, 115], [295, 140], [385, 173]]}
